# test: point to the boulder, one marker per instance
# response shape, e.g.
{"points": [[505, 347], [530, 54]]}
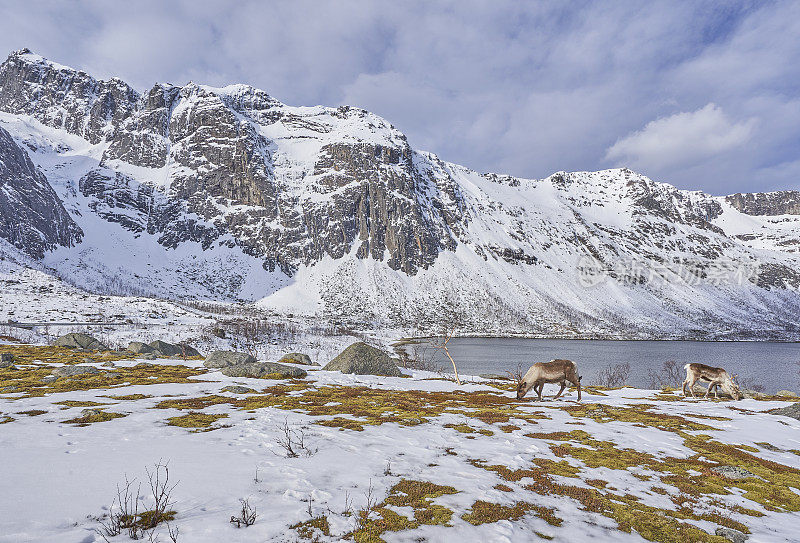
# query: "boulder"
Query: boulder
{"points": [[80, 341], [788, 411], [735, 536], [222, 359], [238, 389], [71, 371], [362, 359], [263, 370], [6, 360], [734, 473], [140, 348], [170, 349], [297, 358], [786, 394]]}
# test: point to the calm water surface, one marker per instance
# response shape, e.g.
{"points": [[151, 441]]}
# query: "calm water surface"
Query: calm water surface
{"points": [[776, 366]]}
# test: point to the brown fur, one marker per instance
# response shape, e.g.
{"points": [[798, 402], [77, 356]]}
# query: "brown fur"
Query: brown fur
{"points": [[716, 377], [555, 371]]}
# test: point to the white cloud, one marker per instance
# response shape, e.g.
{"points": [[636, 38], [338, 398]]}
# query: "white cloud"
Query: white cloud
{"points": [[681, 140], [519, 88]]}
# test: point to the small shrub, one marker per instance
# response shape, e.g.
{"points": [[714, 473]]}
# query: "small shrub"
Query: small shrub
{"points": [[613, 375], [247, 515]]}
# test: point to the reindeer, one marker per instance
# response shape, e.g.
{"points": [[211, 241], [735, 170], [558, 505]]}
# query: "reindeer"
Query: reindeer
{"points": [[715, 376], [555, 371]]}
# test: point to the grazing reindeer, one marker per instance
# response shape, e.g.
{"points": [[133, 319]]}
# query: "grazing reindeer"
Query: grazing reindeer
{"points": [[715, 376], [555, 371]]}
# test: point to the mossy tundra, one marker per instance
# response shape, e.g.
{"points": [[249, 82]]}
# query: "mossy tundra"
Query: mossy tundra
{"points": [[643, 462]]}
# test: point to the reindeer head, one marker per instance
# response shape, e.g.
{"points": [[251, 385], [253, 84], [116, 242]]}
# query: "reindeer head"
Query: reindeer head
{"points": [[521, 390], [729, 385], [517, 378]]}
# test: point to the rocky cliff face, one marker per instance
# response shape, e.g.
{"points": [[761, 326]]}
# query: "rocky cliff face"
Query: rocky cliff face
{"points": [[32, 217], [210, 151], [342, 217], [62, 97], [767, 203]]}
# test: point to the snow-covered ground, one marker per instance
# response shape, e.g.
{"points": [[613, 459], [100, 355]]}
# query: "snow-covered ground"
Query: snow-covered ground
{"points": [[639, 448]]}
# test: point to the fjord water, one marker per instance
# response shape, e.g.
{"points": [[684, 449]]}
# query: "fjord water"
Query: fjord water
{"points": [[774, 365]]}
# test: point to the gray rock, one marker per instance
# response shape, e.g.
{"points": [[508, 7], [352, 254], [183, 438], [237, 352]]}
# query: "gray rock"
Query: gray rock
{"points": [[71, 371], [733, 472], [222, 359], [6, 360], [170, 349], [80, 341], [91, 412], [297, 358], [263, 370], [11, 388], [238, 389], [731, 535], [140, 348], [148, 356], [34, 219], [767, 203], [786, 394], [752, 394], [49, 378], [362, 359], [788, 411]]}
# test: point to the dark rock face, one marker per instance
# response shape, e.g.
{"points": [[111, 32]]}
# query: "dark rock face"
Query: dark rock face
{"points": [[32, 218], [363, 359], [785, 202], [62, 97], [139, 208]]}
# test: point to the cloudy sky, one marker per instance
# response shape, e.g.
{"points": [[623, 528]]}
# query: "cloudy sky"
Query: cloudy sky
{"points": [[703, 95]]}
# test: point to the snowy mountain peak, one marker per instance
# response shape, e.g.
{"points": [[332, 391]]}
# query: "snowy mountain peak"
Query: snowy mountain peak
{"points": [[227, 193]]}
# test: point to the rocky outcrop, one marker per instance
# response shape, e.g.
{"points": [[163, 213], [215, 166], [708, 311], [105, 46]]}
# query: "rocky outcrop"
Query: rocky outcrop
{"points": [[72, 371], [61, 97], [80, 341], [363, 359], [263, 370], [32, 218], [140, 348], [785, 202], [297, 358], [6, 360], [171, 350], [222, 359], [792, 411]]}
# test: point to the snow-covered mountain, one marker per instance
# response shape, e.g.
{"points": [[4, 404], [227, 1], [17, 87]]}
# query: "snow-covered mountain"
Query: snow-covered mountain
{"points": [[228, 194]]}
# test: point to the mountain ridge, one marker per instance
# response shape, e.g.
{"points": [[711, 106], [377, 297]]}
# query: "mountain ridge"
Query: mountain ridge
{"points": [[347, 221]]}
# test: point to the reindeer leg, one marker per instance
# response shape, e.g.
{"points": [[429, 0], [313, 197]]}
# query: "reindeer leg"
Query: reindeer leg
{"points": [[563, 386], [539, 390], [691, 387], [716, 391], [683, 388]]}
